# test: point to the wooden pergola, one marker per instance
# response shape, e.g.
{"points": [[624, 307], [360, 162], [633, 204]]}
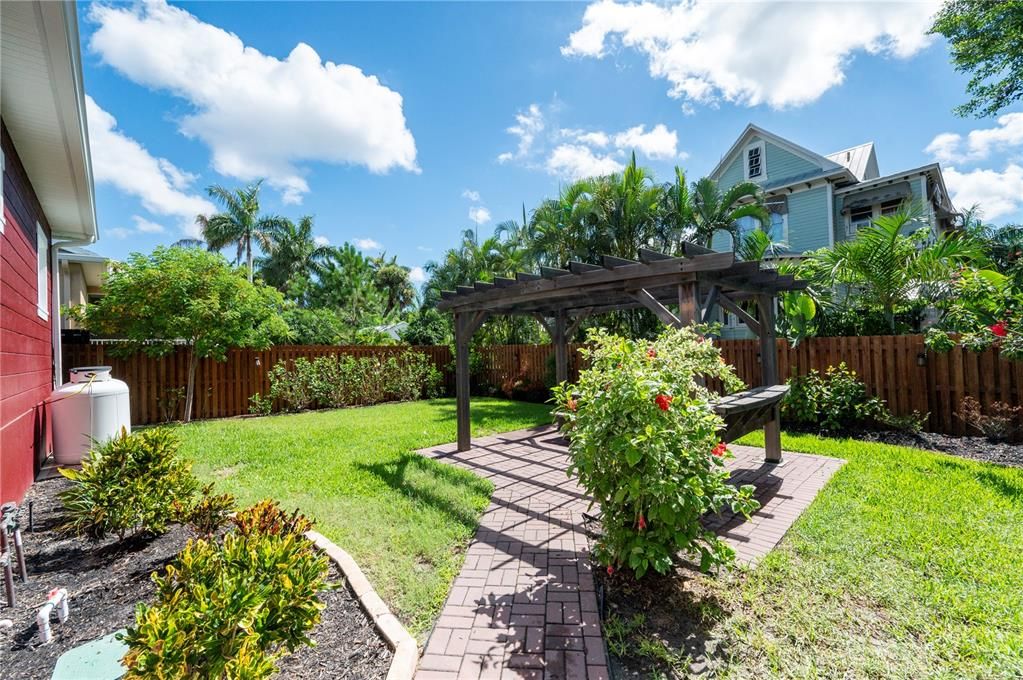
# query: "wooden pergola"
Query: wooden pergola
{"points": [[678, 290]]}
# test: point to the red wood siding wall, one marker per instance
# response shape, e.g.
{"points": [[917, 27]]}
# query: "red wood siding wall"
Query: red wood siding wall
{"points": [[26, 355]]}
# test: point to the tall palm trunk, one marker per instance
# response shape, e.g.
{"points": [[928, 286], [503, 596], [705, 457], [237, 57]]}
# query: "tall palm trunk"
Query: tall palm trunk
{"points": [[248, 254], [193, 365]]}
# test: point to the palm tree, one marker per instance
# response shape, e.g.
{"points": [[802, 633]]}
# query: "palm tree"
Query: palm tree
{"points": [[240, 223], [714, 211], [888, 269], [393, 280], [678, 219], [292, 251]]}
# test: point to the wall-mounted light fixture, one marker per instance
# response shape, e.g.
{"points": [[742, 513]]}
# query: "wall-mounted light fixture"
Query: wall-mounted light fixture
{"points": [[258, 363], [921, 359], [758, 357]]}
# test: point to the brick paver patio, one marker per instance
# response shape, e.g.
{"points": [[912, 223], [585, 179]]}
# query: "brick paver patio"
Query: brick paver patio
{"points": [[523, 605]]}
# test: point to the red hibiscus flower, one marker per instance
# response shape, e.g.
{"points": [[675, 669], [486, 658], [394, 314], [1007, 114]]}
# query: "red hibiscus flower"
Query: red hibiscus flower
{"points": [[651, 353], [999, 329], [663, 401], [641, 523], [610, 570], [720, 449], [572, 405]]}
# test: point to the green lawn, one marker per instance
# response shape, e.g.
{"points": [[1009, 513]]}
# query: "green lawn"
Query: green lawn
{"points": [[907, 565], [405, 519]]}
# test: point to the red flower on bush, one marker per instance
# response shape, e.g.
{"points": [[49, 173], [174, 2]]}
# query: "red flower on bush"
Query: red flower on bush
{"points": [[720, 449], [651, 353], [641, 523], [999, 329], [663, 401], [572, 405], [610, 570]]}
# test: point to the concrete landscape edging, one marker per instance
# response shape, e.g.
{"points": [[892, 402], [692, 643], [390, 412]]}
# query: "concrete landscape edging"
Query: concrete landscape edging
{"points": [[406, 651]]}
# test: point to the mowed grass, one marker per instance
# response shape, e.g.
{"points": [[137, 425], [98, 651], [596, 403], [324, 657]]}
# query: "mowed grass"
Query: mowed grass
{"points": [[909, 564], [405, 519]]}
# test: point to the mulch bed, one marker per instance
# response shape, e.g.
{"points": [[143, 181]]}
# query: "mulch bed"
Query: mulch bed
{"points": [[674, 611], [105, 580], [975, 448]]}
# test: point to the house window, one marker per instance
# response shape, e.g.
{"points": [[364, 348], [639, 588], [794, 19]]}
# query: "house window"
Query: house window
{"points": [[779, 231], [891, 207], [755, 161], [43, 272], [860, 218]]}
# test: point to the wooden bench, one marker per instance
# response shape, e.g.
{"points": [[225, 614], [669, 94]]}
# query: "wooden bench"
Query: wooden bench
{"points": [[746, 411]]}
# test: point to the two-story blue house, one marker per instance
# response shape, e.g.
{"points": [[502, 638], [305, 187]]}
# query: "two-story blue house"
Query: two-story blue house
{"points": [[816, 200]]}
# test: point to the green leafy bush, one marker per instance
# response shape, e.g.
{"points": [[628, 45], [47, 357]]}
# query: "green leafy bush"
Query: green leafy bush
{"points": [[339, 381], [208, 514], [832, 400], [231, 609], [127, 485], [644, 443]]}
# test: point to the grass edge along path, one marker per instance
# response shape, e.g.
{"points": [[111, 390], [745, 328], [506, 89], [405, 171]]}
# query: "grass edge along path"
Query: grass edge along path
{"points": [[907, 565], [405, 519]]}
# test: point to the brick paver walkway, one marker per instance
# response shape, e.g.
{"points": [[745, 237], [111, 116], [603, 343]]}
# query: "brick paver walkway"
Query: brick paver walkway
{"points": [[524, 604]]}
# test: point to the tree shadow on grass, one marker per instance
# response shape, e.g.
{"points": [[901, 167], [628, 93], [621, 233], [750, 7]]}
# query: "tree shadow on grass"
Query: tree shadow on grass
{"points": [[486, 414], [997, 479], [419, 478]]}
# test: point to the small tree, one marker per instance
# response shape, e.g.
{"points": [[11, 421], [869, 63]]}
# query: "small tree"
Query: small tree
{"points": [[184, 294], [645, 447]]}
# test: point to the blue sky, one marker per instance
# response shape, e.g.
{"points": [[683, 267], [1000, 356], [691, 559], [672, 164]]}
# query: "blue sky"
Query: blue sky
{"points": [[398, 121]]}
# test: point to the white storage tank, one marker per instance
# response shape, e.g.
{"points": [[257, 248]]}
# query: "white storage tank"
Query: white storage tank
{"points": [[92, 407]]}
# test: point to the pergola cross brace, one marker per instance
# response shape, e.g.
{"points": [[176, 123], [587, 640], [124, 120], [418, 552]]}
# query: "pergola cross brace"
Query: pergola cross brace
{"points": [[561, 298]]}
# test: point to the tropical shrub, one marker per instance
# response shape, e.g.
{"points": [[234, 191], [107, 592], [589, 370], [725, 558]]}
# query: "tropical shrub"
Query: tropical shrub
{"points": [[231, 609], [339, 381], [208, 514], [983, 308], [997, 424], [644, 444], [127, 485], [831, 400]]}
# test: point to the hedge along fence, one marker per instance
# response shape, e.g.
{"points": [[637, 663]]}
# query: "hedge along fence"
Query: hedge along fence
{"points": [[898, 369], [222, 388]]}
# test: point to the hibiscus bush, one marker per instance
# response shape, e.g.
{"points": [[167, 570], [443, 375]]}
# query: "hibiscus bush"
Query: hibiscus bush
{"points": [[644, 444], [983, 308]]}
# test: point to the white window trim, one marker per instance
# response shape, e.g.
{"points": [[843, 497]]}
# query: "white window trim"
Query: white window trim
{"points": [[875, 212], [763, 161], [42, 273]]}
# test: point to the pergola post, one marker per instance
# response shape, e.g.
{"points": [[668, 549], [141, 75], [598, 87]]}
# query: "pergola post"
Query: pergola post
{"points": [[560, 340], [769, 374], [688, 305], [465, 325]]}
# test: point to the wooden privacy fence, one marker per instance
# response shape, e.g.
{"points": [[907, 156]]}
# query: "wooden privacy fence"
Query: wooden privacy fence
{"points": [[898, 369], [222, 388]]}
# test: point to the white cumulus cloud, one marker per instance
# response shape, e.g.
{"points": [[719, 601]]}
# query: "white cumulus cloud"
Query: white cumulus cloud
{"points": [[121, 161], [659, 144], [417, 275], [574, 161], [260, 116], [473, 196], [751, 53], [367, 244], [528, 124], [479, 214], [951, 147], [147, 226], [321, 241], [998, 193]]}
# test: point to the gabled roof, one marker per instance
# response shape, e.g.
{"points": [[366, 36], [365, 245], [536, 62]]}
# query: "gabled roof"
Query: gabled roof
{"points": [[861, 161], [751, 130], [43, 108]]}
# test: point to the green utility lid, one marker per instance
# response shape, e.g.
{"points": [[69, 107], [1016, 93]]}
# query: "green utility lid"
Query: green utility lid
{"points": [[96, 660]]}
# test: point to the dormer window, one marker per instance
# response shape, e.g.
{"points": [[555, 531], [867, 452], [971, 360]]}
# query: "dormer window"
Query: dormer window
{"points": [[755, 161]]}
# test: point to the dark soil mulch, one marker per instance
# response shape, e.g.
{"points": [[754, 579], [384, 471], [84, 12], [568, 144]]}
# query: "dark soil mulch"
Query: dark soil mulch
{"points": [[675, 611], [976, 448], [105, 580]]}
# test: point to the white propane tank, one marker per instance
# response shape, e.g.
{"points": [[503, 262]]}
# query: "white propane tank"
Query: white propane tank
{"points": [[92, 407]]}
